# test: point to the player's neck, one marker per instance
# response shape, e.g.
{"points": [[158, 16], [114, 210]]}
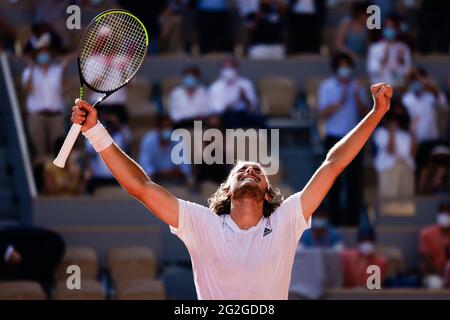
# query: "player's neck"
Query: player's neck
{"points": [[246, 212]]}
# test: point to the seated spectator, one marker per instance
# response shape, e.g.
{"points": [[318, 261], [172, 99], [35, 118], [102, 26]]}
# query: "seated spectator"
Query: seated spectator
{"points": [[431, 86], [214, 19], [63, 181], [266, 31], [150, 17], [435, 175], [30, 253], [342, 102], [321, 234], [422, 101], [404, 32], [189, 100], [434, 248], [42, 81], [39, 32], [352, 33], [97, 173], [234, 97], [356, 261], [172, 24], [305, 25], [53, 13], [394, 161], [156, 155], [389, 60]]}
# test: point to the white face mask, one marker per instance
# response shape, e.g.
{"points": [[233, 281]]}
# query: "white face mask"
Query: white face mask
{"points": [[443, 219], [228, 73], [366, 248]]}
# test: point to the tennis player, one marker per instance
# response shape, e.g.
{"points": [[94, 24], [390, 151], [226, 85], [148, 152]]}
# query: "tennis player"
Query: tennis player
{"points": [[242, 246]]}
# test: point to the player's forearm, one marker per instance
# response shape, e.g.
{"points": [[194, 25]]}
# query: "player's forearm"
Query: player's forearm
{"points": [[126, 171], [348, 147]]}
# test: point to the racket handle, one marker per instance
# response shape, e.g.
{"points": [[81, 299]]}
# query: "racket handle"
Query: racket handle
{"points": [[67, 146]]}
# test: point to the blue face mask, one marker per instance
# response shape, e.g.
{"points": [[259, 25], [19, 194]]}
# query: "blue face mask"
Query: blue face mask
{"points": [[43, 58], [189, 81], [389, 33], [416, 86], [166, 135], [344, 72]]}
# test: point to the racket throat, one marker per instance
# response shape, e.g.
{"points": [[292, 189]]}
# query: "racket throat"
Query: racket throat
{"points": [[99, 100]]}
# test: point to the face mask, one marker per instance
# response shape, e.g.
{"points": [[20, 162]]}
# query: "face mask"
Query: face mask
{"points": [[389, 33], [228, 73], [189, 81], [344, 72], [166, 135], [443, 219], [366, 248], [416, 86], [43, 58], [319, 223]]}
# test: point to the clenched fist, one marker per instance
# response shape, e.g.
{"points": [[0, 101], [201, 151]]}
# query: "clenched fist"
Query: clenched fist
{"points": [[83, 113], [382, 94]]}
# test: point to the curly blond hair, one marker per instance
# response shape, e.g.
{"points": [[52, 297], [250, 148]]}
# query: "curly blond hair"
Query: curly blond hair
{"points": [[220, 201]]}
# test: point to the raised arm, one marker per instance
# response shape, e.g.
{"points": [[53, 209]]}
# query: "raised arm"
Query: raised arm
{"points": [[340, 156], [128, 173]]}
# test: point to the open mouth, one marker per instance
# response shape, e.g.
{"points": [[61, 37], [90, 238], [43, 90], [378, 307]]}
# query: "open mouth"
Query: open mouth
{"points": [[249, 177]]}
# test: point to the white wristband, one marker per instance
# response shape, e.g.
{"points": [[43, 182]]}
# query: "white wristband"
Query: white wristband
{"points": [[99, 137]]}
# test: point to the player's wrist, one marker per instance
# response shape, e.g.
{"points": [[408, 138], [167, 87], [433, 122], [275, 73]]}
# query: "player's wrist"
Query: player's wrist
{"points": [[98, 137]]}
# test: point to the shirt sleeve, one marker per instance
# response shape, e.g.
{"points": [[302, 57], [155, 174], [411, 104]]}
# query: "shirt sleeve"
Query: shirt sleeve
{"points": [[324, 96], [25, 76], [381, 138], [251, 94], [195, 224], [173, 106], [291, 217], [374, 60]]}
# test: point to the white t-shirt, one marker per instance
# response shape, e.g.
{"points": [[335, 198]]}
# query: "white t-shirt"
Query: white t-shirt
{"points": [[392, 71], [46, 91], [223, 93], [230, 263], [183, 106], [422, 110], [403, 145]]}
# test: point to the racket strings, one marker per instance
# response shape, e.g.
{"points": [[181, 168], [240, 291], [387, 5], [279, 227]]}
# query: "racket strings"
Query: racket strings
{"points": [[112, 51]]}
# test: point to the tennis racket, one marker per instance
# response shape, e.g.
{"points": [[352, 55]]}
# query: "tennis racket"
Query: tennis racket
{"points": [[111, 51]]}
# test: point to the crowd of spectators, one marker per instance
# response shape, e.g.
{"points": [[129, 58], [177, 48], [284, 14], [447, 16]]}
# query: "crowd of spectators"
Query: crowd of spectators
{"points": [[268, 28]]}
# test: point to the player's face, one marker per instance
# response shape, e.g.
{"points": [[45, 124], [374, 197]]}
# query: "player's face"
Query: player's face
{"points": [[249, 176]]}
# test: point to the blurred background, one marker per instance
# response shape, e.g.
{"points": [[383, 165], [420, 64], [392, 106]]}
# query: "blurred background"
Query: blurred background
{"points": [[301, 66]]}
